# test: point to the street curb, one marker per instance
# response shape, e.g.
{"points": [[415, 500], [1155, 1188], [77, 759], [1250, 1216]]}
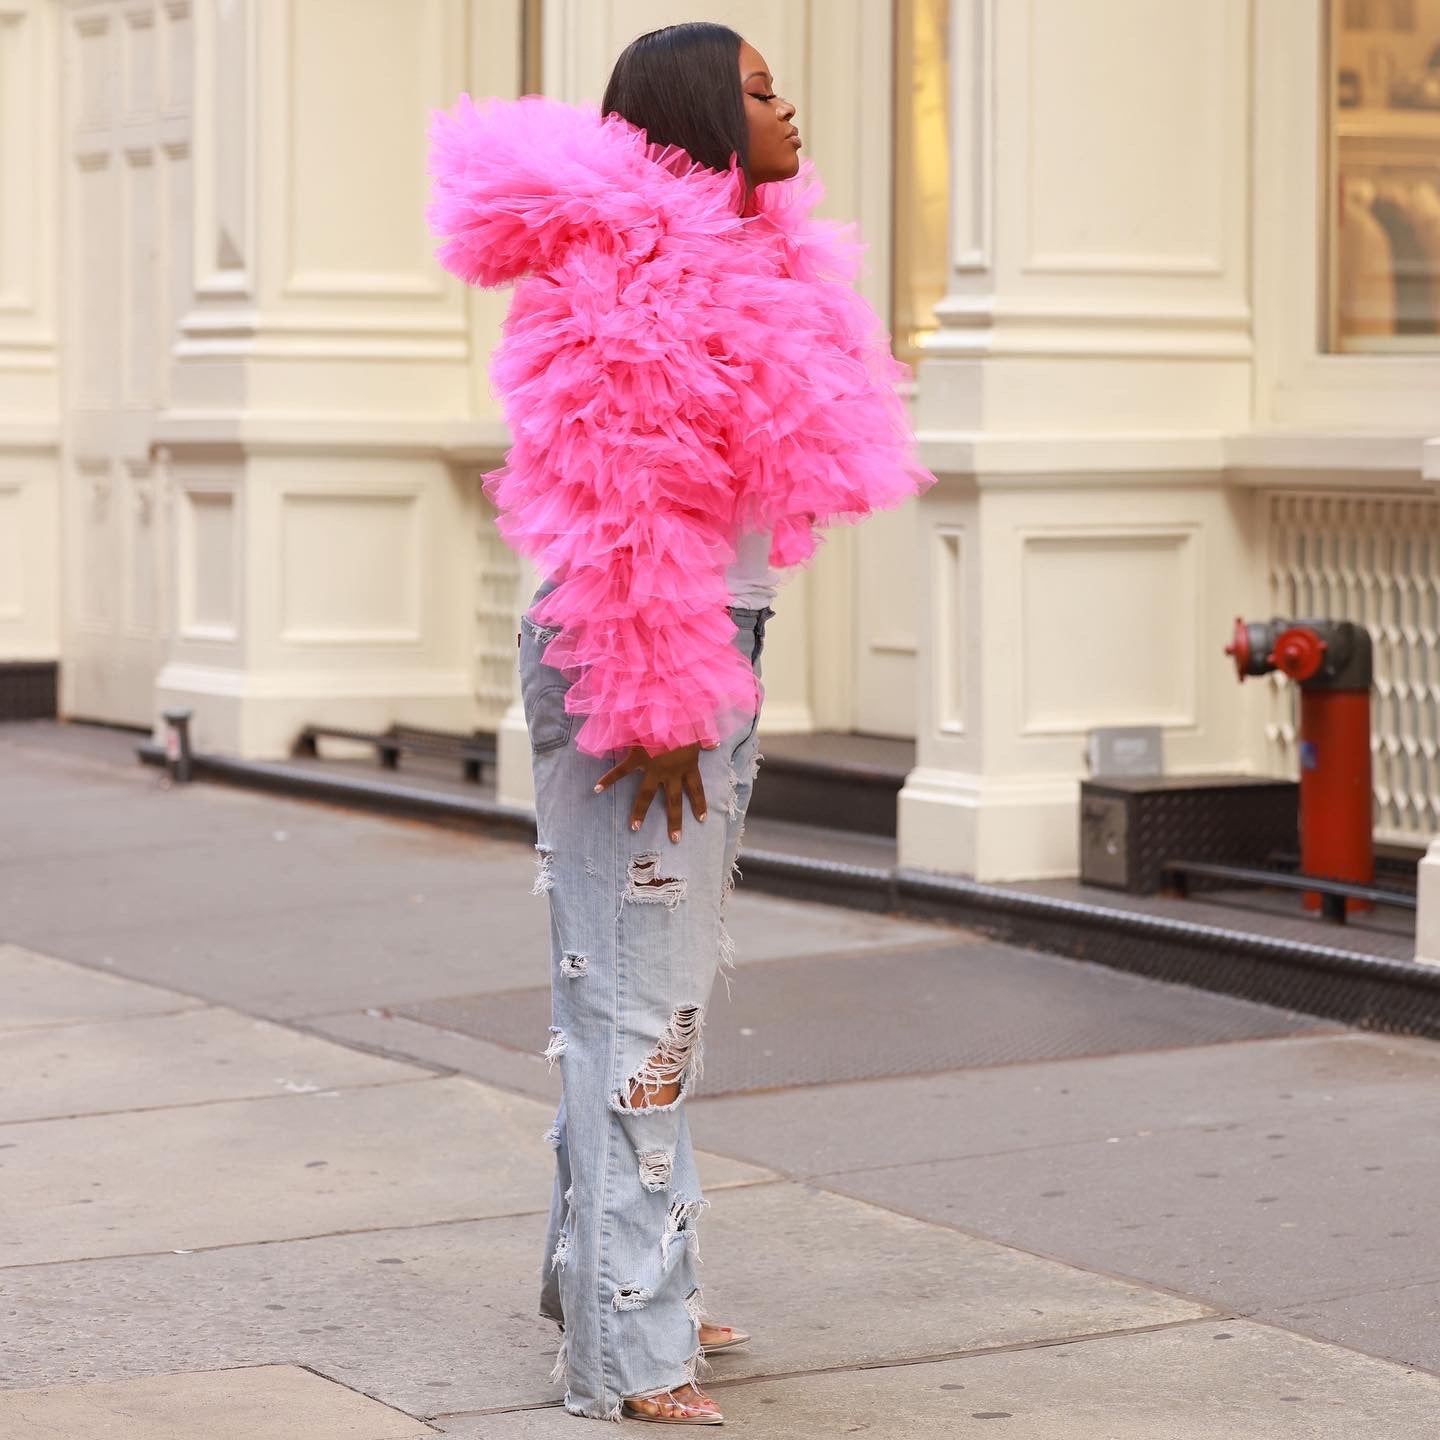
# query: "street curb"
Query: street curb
{"points": [[1399, 996]]}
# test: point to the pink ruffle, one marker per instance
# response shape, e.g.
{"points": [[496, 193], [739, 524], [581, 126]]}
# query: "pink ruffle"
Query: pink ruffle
{"points": [[673, 372]]}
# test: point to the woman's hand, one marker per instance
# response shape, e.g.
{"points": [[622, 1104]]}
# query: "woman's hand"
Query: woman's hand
{"points": [[677, 771]]}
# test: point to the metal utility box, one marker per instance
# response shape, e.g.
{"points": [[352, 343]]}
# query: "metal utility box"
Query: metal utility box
{"points": [[1131, 825]]}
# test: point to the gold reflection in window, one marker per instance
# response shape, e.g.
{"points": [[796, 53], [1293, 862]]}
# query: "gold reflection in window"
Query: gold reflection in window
{"points": [[922, 169], [1385, 175]]}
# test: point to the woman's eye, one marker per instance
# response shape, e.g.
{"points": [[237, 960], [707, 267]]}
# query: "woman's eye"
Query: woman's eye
{"points": [[753, 96]]}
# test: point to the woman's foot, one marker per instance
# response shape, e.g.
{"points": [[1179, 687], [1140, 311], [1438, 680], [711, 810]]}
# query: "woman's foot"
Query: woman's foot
{"points": [[685, 1405], [720, 1337]]}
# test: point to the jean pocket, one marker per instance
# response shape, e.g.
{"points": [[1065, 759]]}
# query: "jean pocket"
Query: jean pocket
{"points": [[543, 689], [745, 739], [549, 723]]}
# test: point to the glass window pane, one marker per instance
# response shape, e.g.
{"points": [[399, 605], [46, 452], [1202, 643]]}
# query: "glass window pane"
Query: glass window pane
{"points": [[1384, 207]]}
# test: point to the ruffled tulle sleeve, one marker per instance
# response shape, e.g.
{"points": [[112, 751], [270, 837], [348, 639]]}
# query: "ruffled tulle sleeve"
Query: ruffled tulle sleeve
{"points": [[618, 486]]}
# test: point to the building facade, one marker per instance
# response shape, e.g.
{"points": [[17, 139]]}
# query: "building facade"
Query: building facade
{"points": [[1166, 270]]}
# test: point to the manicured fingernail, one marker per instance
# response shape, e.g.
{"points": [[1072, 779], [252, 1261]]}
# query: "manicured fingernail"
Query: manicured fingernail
{"points": [[599, 788], [634, 824], [674, 834]]}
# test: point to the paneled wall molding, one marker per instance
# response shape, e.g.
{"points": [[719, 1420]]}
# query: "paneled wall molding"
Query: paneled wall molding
{"points": [[325, 376], [972, 81], [1246, 458], [982, 326], [1099, 216], [462, 442], [296, 281], [37, 434]]}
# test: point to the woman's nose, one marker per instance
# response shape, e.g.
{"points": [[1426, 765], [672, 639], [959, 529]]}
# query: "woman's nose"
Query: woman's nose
{"points": [[789, 108]]}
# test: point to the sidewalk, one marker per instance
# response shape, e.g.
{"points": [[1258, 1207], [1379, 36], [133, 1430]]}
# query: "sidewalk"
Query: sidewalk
{"points": [[271, 1163]]}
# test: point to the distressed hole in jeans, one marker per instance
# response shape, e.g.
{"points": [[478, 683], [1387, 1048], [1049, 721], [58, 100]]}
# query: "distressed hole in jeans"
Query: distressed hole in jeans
{"points": [[646, 885], [562, 1251], [574, 964], [679, 1227], [655, 1167], [544, 871], [631, 1297], [671, 1068], [556, 1048]]}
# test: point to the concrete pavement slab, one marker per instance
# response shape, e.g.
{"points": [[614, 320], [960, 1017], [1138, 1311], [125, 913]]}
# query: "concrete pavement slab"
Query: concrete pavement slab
{"points": [[765, 927], [82, 814], [810, 1020], [273, 1402], [387, 1033], [284, 908], [39, 990], [1400, 1322], [246, 1170], [192, 1057], [1186, 1383], [987, 1111], [434, 1317], [441, 1318], [1264, 1213]]}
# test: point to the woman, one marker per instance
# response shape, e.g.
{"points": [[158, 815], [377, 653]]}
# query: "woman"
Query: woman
{"points": [[693, 386]]}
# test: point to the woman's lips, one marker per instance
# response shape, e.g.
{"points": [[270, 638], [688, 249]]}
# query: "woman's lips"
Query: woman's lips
{"points": [[794, 139]]}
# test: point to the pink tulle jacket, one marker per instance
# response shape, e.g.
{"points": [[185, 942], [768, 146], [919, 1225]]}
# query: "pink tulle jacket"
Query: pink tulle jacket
{"points": [[673, 372]]}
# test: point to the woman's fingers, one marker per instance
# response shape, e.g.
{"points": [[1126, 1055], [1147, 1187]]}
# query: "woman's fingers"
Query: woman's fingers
{"points": [[695, 789], [648, 786], [674, 808], [616, 772], [678, 771]]}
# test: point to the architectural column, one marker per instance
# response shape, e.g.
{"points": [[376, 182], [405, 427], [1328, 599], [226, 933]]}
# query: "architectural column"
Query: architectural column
{"points": [[324, 414], [1082, 555], [29, 369]]}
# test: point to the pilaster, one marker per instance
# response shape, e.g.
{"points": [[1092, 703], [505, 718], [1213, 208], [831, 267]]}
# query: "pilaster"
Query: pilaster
{"points": [[29, 360], [1081, 550], [323, 392]]}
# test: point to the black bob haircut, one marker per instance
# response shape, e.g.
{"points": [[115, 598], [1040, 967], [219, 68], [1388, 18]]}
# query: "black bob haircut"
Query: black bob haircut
{"points": [[681, 86]]}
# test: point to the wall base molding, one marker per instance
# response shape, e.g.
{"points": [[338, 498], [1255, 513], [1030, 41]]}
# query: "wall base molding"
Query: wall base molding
{"points": [[989, 829], [257, 715]]}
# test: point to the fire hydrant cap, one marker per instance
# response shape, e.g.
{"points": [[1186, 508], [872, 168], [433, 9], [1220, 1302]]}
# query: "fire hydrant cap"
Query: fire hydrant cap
{"points": [[1299, 652]]}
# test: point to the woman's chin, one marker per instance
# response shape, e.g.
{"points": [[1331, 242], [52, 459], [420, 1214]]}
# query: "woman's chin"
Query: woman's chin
{"points": [[786, 169]]}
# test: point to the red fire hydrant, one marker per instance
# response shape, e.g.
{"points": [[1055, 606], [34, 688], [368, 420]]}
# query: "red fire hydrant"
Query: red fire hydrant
{"points": [[1332, 663]]}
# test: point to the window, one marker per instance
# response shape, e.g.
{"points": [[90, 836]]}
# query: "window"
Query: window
{"points": [[1384, 191]]}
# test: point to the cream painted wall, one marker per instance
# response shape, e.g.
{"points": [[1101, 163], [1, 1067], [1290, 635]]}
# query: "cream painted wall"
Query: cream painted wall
{"points": [[29, 360]]}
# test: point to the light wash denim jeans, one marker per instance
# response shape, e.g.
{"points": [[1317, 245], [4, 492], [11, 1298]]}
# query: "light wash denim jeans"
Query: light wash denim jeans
{"points": [[637, 933]]}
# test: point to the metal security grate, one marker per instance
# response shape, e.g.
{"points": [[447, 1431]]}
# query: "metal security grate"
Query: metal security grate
{"points": [[1374, 559]]}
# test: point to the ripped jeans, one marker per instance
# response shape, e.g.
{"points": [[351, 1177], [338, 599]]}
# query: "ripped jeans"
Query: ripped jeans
{"points": [[637, 933]]}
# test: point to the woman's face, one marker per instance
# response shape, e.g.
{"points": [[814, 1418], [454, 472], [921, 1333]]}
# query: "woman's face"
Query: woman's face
{"points": [[774, 140]]}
